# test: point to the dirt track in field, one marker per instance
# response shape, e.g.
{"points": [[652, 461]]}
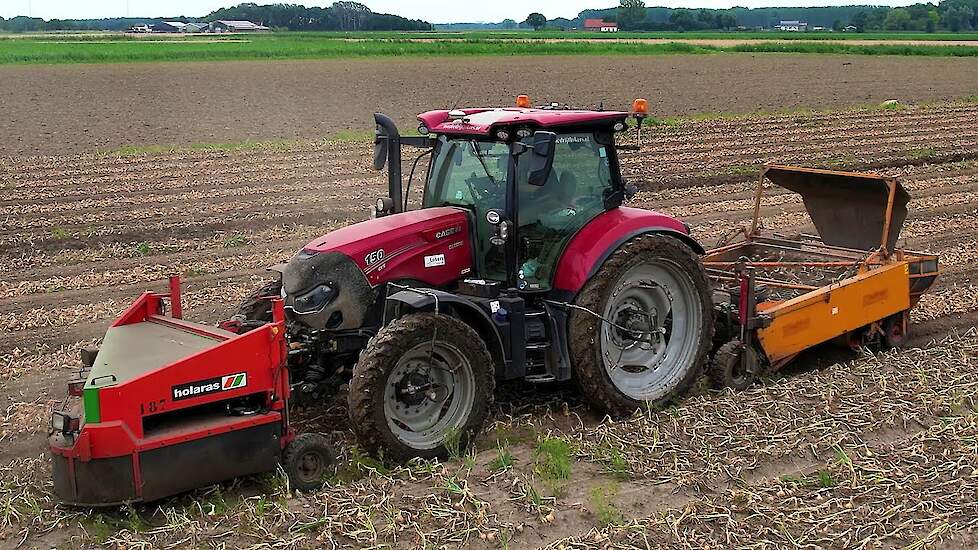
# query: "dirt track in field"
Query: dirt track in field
{"points": [[104, 107], [82, 234]]}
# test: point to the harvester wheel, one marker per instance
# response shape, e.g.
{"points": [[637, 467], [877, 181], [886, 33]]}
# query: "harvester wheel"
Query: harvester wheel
{"points": [[308, 460], [728, 371], [421, 388], [655, 328], [253, 308], [895, 330]]}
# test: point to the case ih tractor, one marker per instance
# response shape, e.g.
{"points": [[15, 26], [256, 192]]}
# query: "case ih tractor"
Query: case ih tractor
{"points": [[521, 263]]}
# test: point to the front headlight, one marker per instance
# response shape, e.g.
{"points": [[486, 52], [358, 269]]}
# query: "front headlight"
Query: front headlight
{"points": [[315, 300]]}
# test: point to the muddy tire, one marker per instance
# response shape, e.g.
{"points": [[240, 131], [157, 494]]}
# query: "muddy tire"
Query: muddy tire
{"points": [[656, 292], [308, 461], [253, 308], [422, 388], [726, 369]]}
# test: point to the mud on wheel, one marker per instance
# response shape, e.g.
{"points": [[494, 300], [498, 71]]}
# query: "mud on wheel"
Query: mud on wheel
{"points": [[655, 327], [424, 380]]}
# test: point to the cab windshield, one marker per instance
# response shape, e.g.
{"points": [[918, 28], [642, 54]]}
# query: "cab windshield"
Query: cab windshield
{"points": [[468, 173]]}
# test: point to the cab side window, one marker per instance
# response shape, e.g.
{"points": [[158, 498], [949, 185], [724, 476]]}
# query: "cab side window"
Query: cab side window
{"points": [[551, 214]]}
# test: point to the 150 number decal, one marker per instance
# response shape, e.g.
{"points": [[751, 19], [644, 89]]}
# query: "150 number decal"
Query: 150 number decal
{"points": [[374, 257]]}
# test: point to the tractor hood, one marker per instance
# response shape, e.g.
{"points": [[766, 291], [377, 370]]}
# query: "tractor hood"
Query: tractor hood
{"points": [[332, 282], [375, 245]]}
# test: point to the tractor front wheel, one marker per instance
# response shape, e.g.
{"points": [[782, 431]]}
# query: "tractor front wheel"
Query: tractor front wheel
{"points": [[421, 388], [254, 307], [644, 328]]}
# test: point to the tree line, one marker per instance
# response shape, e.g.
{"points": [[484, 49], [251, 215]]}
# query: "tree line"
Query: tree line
{"points": [[633, 15], [341, 16]]}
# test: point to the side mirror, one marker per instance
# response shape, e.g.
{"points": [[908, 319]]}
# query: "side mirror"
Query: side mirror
{"points": [[380, 149], [542, 157]]}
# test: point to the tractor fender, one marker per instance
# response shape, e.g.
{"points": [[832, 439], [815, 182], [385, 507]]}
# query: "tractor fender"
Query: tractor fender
{"points": [[590, 247], [427, 299]]}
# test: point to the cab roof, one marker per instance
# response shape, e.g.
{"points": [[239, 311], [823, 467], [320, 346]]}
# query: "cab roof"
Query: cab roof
{"points": [[483, 121]]}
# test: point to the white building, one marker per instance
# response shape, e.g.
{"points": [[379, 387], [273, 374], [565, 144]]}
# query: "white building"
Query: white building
{"points": [[793, 26]]}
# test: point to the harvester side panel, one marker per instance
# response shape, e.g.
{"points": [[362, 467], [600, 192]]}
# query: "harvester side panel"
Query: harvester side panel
{"points": [[155, 391], [821, 315]]}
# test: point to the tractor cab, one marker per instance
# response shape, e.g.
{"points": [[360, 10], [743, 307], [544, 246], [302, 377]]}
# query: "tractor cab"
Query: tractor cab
{"points": [[531, 179]]}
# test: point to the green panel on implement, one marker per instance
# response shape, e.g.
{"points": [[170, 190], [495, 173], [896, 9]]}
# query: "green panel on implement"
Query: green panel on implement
{"points": [[93, 413]]}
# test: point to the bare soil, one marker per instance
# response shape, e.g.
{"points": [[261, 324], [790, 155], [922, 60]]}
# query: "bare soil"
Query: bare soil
{"points": [[838, 436], [104, 107]]}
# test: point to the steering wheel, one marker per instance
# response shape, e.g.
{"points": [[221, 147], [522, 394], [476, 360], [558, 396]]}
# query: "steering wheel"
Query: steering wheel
{"points": [[483, 188]]}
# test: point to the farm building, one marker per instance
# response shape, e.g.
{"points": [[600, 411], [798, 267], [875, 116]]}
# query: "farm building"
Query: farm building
{"points": [[793, 26], [236, 26], [168, 26], [196, 27], [600, 25]]}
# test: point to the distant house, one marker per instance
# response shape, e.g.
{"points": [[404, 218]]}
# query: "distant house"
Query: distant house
{"points": [[168, 26], [600, 25], [850, 28], [793, 26], [196, 27], [140, 28], [236, 26]]}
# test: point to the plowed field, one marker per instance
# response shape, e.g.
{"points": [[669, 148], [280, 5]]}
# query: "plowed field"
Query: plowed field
{"points": [[118, 105], [844, 450]]}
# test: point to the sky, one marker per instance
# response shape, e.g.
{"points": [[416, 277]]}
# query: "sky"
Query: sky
{"points": [[434, 11]]}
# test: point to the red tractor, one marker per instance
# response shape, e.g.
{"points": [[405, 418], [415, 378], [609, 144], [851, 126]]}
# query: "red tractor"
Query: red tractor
{"points": [[521, 263]]}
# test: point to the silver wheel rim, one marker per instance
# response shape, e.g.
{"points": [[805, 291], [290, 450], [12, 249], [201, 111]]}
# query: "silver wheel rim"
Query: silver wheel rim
{"points": [[657, 315], [429, 395]]}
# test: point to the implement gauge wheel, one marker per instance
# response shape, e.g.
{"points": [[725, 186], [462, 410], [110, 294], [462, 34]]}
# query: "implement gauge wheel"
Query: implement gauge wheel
{"points": [[895, 330], [308, 460], [727, 370], [421, 388], [655, 328]]}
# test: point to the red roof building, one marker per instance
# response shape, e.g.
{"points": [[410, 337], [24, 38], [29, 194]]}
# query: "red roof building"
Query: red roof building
{"points": [[600, 25]]}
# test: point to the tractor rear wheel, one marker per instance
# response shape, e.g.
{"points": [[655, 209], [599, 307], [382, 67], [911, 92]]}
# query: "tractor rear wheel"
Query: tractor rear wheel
{"points": [[647, 329], [421, 388]]}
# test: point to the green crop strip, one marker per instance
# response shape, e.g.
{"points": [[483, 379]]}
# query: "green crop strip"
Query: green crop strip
{"points": [[40, 50]]}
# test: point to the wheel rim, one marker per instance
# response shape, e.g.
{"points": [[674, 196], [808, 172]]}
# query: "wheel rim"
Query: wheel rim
{"points": [[311, 466], [655, 308], [429, 394]]}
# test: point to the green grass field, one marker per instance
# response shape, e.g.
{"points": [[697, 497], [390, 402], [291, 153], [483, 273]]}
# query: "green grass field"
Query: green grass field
{"points": [[118, 48]]}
